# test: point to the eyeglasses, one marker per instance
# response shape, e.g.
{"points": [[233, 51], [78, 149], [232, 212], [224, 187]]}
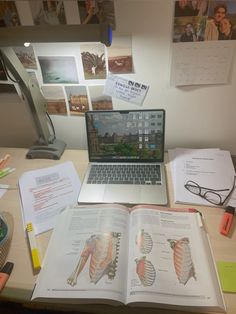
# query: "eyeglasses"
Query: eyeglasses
{"points": [[210, 195]]}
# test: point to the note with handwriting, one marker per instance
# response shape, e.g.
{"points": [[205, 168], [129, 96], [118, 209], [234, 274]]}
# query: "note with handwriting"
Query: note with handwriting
{"points": [[125, 89]]}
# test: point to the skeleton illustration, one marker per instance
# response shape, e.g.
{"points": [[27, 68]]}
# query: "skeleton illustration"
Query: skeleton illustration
{"points": [[146, 271], [144, 242], [104, 249], [183, 263]]}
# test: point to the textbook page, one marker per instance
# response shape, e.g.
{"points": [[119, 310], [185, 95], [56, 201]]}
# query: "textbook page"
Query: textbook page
{"points": [[87, 256], [170, 261]]}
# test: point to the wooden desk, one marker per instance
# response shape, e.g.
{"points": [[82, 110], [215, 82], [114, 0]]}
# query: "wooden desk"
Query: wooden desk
{"points": [[20, 285]]}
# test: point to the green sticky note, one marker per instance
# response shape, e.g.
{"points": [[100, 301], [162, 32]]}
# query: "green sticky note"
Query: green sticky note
{"points": [[227, 274]]}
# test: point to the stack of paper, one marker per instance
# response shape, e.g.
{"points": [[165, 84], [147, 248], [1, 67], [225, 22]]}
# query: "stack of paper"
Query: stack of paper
{"points": [[210, 168], [46, 192]]}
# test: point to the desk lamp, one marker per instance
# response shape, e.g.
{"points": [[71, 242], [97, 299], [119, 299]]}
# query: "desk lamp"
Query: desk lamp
{"points": [[47, 146]]}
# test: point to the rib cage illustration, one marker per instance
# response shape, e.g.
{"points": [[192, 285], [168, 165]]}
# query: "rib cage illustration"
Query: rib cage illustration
{"points": [[104, 250], [183, 263], [146, 271], [144, 242]]}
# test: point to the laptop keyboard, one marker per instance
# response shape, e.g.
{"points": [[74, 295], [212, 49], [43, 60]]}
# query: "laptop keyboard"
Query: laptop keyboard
{"points": [[125, 174]]}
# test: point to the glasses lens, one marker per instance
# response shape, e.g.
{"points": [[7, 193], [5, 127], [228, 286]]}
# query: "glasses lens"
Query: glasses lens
{"points": [[213, 197], [193, 187]]}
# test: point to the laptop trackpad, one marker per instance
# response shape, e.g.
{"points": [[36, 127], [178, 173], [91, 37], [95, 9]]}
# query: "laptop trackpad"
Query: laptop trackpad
{"points": [[122, 194]]}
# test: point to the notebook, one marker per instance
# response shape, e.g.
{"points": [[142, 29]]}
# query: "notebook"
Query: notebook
{"points": [[126, 157]]}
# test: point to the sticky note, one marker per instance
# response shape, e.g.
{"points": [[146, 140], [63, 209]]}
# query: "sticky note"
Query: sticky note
{"points": [[227, 274]]}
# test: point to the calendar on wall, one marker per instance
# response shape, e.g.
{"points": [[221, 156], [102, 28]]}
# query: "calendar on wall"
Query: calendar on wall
{"points": [[203, 41], [201, 63]]}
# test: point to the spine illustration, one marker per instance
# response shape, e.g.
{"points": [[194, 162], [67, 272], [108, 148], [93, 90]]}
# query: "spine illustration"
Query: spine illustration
{"points": [[145, 271], [144, 242], [104, 250], [183, 263]]}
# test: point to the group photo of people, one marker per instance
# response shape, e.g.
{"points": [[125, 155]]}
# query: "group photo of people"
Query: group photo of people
{"points": [[204, 20]]}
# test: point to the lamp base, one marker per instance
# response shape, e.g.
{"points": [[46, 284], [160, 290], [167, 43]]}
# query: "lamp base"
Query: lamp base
{"points": [[50, 151]]}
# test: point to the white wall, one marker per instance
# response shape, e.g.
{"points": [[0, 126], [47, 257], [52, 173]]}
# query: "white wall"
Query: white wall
{"points": [[201, 116], [196, 116]]}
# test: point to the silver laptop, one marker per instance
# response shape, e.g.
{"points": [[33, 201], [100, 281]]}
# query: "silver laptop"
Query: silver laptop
{"points": [[126, 154]]}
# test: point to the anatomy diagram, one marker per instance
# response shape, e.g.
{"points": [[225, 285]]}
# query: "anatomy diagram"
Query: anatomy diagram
{"points": [[182, 259], [144, 268], [145, 271], [144, 242], [104, 250]]}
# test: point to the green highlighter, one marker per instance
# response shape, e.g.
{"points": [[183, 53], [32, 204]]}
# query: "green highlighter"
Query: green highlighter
{"points": [[4, 172]]}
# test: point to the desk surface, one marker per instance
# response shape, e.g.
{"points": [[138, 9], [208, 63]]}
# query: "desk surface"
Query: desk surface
{"points": [[19, 286]]}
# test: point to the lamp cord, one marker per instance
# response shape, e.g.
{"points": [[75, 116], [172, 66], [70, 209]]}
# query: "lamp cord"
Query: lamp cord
{"points": [[51, 123]]}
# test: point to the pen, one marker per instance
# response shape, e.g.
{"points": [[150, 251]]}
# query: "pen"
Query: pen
{"points": [[5, 274], [227, 220], [33, 247]]}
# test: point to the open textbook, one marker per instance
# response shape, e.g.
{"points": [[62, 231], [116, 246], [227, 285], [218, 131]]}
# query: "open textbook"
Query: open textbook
{"points": [[142, 256]]}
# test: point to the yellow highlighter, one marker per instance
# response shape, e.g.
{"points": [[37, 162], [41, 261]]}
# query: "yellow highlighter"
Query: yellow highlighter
{"points": [[33, 247]]}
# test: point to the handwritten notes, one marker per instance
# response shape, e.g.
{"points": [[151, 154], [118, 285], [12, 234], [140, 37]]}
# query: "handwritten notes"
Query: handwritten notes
{"points": [[125, 89]]}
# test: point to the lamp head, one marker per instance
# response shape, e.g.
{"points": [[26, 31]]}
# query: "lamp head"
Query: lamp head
{"points": [[18, 35]]}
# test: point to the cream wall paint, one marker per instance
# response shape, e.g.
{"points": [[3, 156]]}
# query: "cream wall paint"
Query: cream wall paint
{"points": [[196, 116]]}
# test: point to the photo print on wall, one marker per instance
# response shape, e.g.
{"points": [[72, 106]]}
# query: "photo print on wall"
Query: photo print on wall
{"points": [[48, 12], [56, 103], [77, 99], [8, 14], [99, 101], [95, 12], [26, 56], [93, 60], [120, 58], [204, 20], [58, 70]]}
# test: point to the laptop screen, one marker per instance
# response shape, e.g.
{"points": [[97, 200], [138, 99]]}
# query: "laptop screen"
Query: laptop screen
{"points": [[126, 135]]}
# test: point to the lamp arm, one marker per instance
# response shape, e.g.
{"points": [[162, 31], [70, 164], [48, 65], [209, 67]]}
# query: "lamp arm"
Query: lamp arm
{"points": [[56, 33], [32, 93], [47, 145]]}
